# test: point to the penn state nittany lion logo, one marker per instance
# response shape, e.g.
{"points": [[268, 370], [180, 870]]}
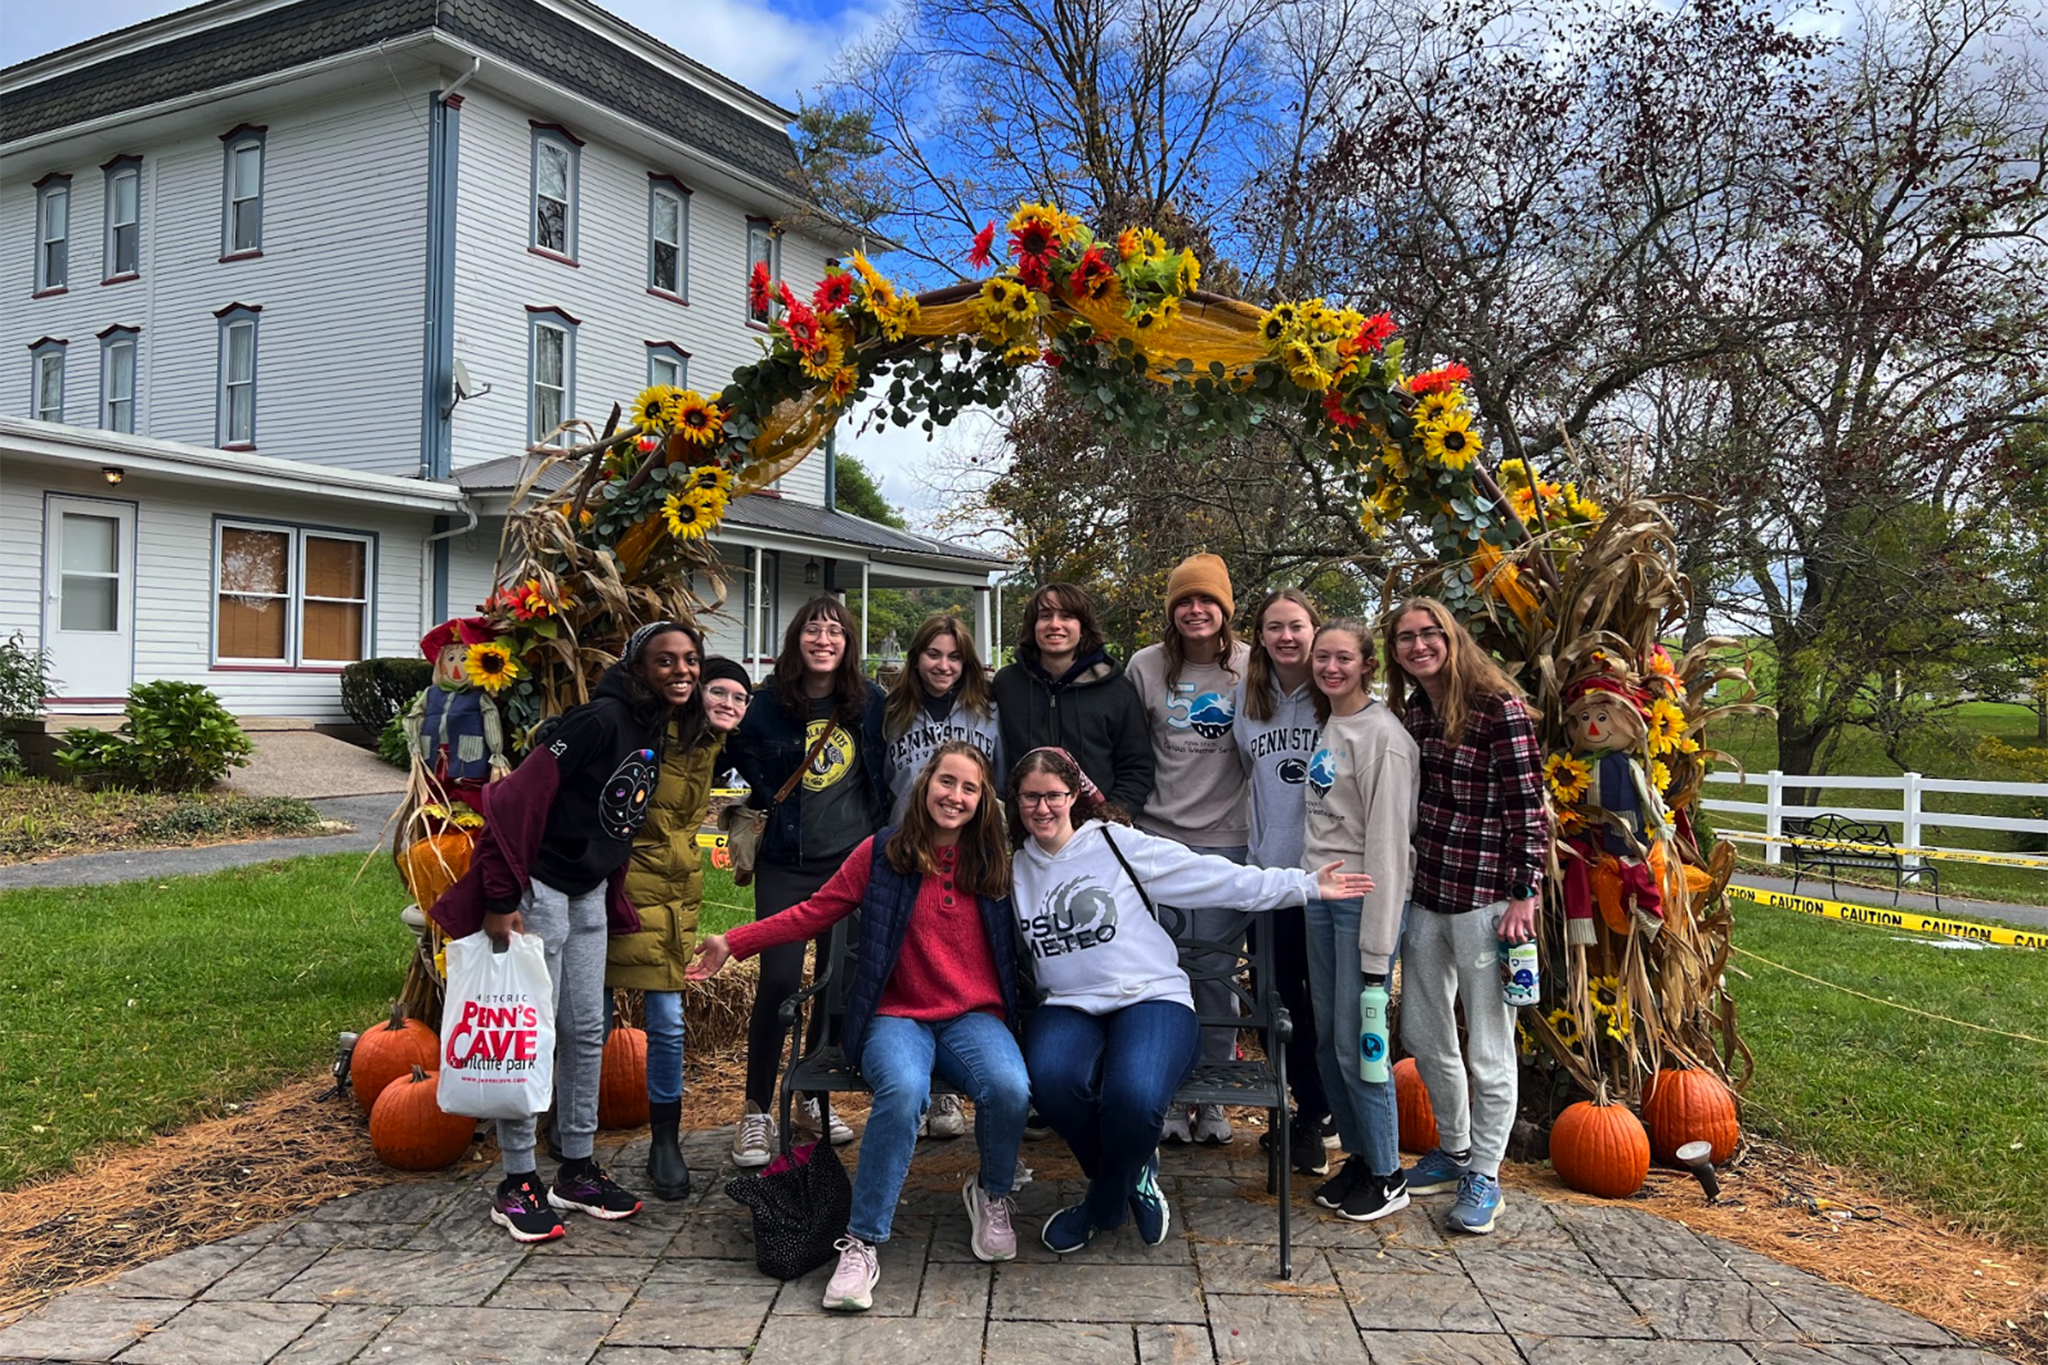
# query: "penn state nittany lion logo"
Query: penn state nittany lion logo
{"points": [[623, 803], [832, 761], [1211, 715], [1293, 771], [1322, 771]]}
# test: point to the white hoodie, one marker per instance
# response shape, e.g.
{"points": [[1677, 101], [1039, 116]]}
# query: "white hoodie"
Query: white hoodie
{"points": [[1092, 944]]}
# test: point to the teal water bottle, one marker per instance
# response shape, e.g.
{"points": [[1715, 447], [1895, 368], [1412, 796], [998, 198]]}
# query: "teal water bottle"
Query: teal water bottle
{"points": [[1372, 1031]]}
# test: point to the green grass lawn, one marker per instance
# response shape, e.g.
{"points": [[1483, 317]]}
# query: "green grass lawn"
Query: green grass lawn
{"points": [[1953, 1119]]}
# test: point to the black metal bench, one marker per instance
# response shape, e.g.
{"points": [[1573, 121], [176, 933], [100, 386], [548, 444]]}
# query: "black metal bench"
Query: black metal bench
{"points": [[1812, 843], [1259, 1082]]}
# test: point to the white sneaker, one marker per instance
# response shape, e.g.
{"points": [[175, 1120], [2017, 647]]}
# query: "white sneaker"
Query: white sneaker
{"points": [[988, 1219], [804, 1114], [944, 1119], [852, 1287], [1177, 1125], [1211, 1128], [753, 1141]]}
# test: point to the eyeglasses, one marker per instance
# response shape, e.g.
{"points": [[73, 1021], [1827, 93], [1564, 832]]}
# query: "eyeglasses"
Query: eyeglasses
{"points": [[1044, 798], [824, 630], [1408, 639]]}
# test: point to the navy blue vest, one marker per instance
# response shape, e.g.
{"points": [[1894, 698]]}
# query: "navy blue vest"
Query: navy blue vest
{"points": [[450, 718], [885, 920]]}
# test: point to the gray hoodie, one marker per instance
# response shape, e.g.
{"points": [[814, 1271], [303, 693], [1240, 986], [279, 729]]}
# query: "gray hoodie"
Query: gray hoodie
{"points": [[1275, 755], [1363, 784], [911, 750]]}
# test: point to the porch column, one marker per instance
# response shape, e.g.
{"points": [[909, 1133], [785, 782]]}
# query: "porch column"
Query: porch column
{"points": [[760, 626], [996, 636], [984, 626], [864, 642]]}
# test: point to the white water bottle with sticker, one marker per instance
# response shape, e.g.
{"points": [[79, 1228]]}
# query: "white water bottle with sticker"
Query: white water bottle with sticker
{"points": [[1372, 1032]]}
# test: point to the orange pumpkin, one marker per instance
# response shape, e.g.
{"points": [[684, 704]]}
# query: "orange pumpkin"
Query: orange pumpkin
{"points": [[1600, 1148], [410, 1130], [1411, 1103], [1691, 1106], [622, 1087], [388, 1051], [432, 864]]}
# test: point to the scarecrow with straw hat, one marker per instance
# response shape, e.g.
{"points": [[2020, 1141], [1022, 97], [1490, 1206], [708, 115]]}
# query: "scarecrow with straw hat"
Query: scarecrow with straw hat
{"points": [[453, 728], [1615, 857]]}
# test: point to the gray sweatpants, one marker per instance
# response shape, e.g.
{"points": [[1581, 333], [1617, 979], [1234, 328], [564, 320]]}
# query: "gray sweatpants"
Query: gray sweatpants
{"points": [[1445, 959], [1214, 997], [575, 932]]}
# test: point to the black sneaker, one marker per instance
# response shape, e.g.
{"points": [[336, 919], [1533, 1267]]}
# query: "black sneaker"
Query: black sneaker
{"points": [[1310, 1156], [1035, 1126], [1332, 1193], [517, 1207], [1374, 1196], [587, 1189], [1327, 1130]]}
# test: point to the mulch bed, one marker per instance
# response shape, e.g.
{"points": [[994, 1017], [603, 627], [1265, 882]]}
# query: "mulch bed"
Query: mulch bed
{"points": [[41, 819]]}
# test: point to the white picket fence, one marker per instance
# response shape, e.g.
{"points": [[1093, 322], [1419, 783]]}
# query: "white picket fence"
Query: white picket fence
{"points": [[1911, 813]]}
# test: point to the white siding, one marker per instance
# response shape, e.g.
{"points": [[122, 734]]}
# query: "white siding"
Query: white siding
{"points": [[498, 278], [472, 566]]}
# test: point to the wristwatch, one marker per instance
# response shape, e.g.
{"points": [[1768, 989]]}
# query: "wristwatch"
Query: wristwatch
{"points": [[1519, 892]]}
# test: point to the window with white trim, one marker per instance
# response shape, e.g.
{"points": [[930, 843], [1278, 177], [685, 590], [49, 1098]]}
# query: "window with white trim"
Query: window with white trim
{"points": [[551, 374], [667, 364], [289, 596], [46, 381], [53, 232], [763, 245], [668, 238], [124, 218], [118, 348], [242, 194], [554, 192], [235, 403]]}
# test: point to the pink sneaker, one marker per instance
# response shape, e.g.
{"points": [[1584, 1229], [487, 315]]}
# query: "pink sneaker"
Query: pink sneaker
{"points": [[853, 1283], [992, 1237]]}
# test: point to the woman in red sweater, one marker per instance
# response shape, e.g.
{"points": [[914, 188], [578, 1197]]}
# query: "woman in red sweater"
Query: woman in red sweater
{"points": [[934, 990]]}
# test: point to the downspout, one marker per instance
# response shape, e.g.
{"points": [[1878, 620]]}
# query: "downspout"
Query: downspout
{"points": [[443, 533], [437, 406]]}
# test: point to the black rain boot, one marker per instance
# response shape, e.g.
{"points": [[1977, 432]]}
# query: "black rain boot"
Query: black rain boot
{"points": [[668, 1175]]}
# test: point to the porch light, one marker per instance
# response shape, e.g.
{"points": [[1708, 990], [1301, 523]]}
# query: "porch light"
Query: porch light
{"points": [[810, 573], [113, 475]]}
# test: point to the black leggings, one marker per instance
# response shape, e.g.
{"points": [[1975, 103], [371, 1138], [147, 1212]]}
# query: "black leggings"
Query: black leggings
{"points": [[777, 888], [1290, 964]]}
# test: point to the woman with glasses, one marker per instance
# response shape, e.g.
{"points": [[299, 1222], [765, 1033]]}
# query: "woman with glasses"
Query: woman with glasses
{"points": [[1481, 845], [817, 714], [1115, 1035]]}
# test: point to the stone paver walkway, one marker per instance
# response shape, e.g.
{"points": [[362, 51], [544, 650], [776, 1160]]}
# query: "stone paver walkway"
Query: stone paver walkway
{"points": [[415, 1273]]}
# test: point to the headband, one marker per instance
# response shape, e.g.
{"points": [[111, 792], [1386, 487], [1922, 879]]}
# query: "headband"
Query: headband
{"points": [[1088, 787]]}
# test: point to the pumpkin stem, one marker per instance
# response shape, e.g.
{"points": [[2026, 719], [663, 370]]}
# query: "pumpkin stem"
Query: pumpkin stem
{"points": [[419, 1073], [397, 1017]]}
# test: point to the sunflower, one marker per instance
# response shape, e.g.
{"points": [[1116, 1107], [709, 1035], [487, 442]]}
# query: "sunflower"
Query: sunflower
{"points": [[687, 520], [1395, 459], [1189, 276], [699, 420], [896, 318], [1434, 407], [1146, 321], [1273, 329], [1151, 245], [1035, 233], [1525, 1041], [824, 360], [1660, 775], [712, 500], [1581, 508], [708, 476], [1667, 726], [843, 384], [1605, 993], [833, 292], [1449, 441], [655, 408], [586, 518], [1127, 244], [491, 666], [1616, 1026], [1299, 359], [1023, 353], [1093, 277], [1567, 777], [1565, 1025]]}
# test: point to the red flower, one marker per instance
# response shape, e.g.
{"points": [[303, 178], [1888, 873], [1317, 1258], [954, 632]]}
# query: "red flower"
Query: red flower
{"points": [[1050, 357], [1374, 334], [759, 292], [1436, 381], [801, 324], [1093, 277], [1032, 274], [1333, 408], [833, 292], [984, 242]]}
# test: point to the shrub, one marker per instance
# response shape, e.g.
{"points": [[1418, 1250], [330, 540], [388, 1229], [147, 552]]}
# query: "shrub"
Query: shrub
{"points": [[177, 737], [193, 817], [375, 690], [24, 679], [391, 745]]}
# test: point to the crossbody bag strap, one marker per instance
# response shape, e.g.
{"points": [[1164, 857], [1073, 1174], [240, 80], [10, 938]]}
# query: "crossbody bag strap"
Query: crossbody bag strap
{"points": [[1125, 864], [818, 747]]}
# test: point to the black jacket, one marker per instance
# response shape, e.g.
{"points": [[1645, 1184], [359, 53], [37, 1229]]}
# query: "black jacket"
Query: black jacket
{"points": [[608, 751], [767, 748], [1091, 711]]}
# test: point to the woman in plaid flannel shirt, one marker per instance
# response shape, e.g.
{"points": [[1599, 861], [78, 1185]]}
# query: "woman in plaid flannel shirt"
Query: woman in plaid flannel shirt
{"points": [[1481, 844]]}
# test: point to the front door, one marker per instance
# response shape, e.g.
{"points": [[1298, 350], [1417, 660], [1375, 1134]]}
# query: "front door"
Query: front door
{"points": [[89, 597]]}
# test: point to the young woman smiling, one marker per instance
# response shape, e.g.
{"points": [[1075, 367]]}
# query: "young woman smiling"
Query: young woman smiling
{"points": [[1115, 1035], [817, 713], [934, 988], [1360, 810]]}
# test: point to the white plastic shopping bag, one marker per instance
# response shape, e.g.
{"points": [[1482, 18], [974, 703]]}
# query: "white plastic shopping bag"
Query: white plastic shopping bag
{"points": [[497, 1029]]}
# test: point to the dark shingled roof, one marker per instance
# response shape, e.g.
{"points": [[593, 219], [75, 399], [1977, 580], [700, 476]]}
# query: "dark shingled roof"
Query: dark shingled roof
{"points": [[520, 32], [784, 515]]}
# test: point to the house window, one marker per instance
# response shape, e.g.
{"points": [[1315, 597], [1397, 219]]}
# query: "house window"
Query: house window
{"points": [[551, 373], [53, 232], [235, 403], [762, 245], [124, 218], [289, 596], [667, 363], [668, 238], [46, 380], [555, 155], [242, 194], [117, 378]]}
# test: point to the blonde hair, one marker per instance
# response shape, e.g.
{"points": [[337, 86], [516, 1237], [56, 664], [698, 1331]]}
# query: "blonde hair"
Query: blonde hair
{"points": [[1470, 673], [1258, 673], [1360, 631]]}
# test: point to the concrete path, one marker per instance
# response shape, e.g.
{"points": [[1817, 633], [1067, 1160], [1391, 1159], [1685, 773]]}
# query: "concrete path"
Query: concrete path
{"points": [[305, 763], [366, 813], [2034, 916], [415, 1275]]}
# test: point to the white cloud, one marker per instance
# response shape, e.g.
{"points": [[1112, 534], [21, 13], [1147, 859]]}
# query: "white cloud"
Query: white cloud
{"points": [[768, 50]]}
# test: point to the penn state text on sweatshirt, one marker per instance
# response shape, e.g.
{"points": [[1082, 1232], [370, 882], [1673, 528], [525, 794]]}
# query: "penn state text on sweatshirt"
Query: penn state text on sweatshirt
{"points": [[1275, 756]]}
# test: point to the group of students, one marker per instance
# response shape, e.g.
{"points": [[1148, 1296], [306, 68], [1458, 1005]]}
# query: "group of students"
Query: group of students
{"points": [[1008, 947]]}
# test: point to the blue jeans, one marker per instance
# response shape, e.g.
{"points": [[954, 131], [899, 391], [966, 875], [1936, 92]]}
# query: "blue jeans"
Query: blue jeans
{"points": [[1103, 1081], [976, 1055], [1367, 1123], [664, 1015]]}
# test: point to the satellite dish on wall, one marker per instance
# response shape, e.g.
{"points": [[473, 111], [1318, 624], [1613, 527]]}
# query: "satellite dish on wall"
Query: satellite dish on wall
{"points": [[465, 387]]}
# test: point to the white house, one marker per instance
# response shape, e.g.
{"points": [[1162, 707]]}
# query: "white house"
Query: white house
{"points": [[248, 248]]}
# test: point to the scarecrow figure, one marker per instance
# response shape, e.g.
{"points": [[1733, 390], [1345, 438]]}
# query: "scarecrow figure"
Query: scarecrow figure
{"points": [[1617, 858], [453, 728]]}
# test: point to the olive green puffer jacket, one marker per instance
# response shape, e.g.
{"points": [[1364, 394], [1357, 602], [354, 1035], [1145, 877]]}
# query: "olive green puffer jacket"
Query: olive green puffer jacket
{"points": [[665, 879]]}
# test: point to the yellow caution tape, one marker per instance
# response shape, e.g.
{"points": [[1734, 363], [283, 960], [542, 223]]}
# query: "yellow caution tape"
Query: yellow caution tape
{"points": [[710, 839], [1950, 855], [1910, 920]]}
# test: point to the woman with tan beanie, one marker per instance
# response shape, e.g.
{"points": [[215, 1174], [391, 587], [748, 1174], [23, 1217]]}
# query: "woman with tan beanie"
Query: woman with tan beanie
{"points": [[1186, 685]]}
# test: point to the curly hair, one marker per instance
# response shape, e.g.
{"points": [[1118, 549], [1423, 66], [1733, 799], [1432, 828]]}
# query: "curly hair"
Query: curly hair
{"points": [[1056, 763]]}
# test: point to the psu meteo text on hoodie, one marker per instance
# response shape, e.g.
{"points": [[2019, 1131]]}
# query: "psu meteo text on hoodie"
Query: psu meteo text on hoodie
{"points": [[1093, 945]]}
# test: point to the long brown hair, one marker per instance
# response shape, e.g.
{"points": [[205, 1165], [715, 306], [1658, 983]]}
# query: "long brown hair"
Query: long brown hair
{"points": [[1085, 808], [907, 693], [1470, 673], [849, 684], [1358, 630], [981, 862], [1258, 673], [1176, 648], [1070, 598]]}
